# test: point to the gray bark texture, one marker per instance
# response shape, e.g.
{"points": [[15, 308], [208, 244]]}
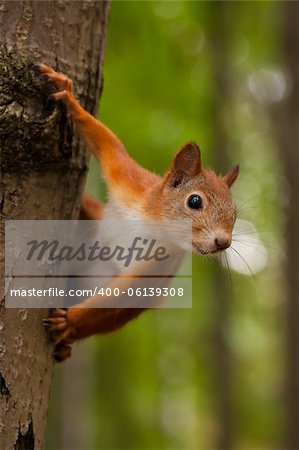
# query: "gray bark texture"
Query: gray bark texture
{"points": [[43, 168]]}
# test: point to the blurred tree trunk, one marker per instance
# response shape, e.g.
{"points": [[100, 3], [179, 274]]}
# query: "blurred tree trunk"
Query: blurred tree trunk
{"points": [[220, 18], [289, 144], [43, 167]]}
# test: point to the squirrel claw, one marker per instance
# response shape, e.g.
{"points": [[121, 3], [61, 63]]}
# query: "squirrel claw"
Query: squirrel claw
{"points": [[57, 325], [60, 95], [46, 324]]}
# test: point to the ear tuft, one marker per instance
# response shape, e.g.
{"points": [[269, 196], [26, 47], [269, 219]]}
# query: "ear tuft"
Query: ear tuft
{"points": [[186, 164], [232, 175]]}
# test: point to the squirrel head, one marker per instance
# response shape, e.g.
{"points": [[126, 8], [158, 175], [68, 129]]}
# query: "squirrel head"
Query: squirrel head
{"points": [[191, 192]]}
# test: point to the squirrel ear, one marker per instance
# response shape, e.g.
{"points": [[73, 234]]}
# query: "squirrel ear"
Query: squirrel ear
{"points": [[186, 164], [232, 175]]}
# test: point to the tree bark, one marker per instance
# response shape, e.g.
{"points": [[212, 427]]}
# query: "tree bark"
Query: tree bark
{"points": [[43, 168]]}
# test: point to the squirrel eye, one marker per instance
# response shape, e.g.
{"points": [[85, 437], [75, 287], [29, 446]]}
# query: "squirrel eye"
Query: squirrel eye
{"points": [[195, 201]]}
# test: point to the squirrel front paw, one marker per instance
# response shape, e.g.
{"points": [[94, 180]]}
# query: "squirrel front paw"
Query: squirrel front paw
{"points": [[61, 333], [63, 83]]}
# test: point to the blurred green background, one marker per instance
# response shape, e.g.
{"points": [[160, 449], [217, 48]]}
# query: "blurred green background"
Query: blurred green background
{"points": [[212, 376]]}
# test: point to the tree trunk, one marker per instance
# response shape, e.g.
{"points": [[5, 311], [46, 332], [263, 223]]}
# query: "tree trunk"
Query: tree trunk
{"points": [[289, 144], [43, 168]]}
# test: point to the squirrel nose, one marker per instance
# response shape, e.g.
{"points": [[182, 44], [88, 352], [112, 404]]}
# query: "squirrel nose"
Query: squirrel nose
{"points": [[222, 243]]}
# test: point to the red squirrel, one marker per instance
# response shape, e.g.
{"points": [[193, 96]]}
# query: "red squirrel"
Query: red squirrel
{"points": [[187, 190]]}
